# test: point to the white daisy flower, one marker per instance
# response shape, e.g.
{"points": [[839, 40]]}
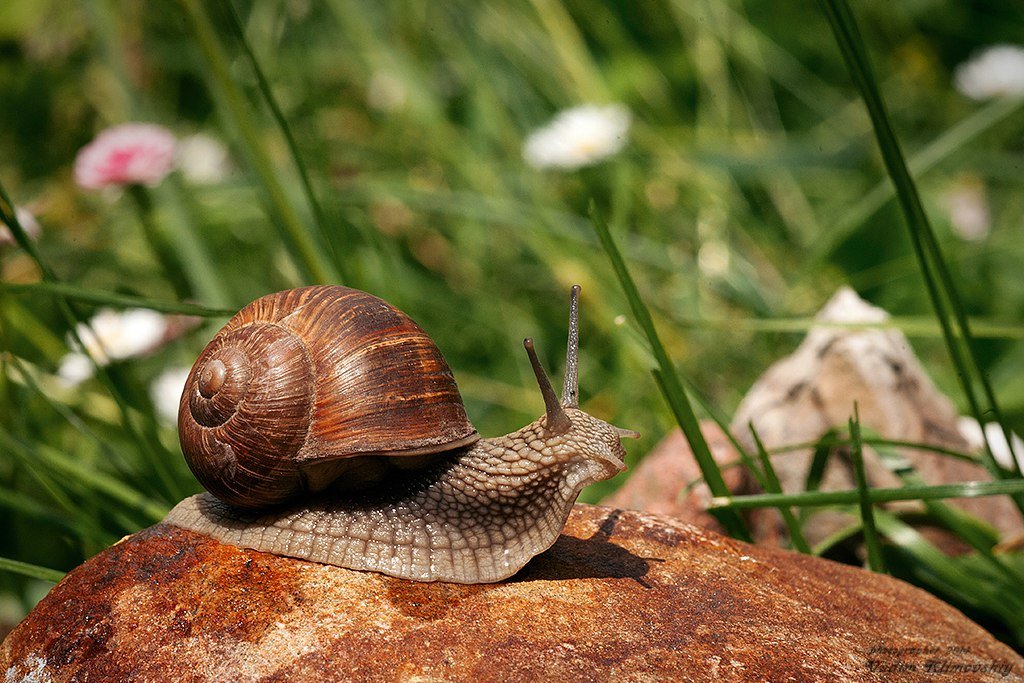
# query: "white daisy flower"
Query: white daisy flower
{"points": [[971, 431], [166, 390], [993, 72], [203, 159], [968, 208], [577, 137], [28, 223], [386, 92], [112, 335]]}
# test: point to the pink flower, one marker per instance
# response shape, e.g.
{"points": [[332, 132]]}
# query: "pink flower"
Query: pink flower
{"points": [[129, 154]]}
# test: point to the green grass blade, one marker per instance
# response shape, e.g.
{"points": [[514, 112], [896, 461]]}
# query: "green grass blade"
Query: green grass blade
{"points": [[101, 445], [84, 524], [912, 326], [967, 489], [147, 440], [30, 508], [941, 148], [301, 245], [673, 389], [949, 310], [9, 217], [947, 576], [974, 532], [835, 538], [723, 424], [45, 479], [113, 300], [103, 483], [32, 571], [816, 470], [63, 465], [981, 536], [189, 237], [583, 78], [744, 458], [772, 485], [159, 244], [286, 131], [867, 517], [20, 321], [822, 451], [832, 440]]}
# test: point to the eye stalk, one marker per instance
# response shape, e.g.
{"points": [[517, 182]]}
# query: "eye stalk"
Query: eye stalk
{"points": [[570, 386], [558, 421]]}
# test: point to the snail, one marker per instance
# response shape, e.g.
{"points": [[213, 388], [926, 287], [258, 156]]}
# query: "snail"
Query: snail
{"points": [[325, 425]]}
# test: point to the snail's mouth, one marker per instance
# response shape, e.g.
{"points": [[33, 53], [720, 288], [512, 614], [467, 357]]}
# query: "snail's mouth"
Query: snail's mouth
{"points": [[613, 458]]}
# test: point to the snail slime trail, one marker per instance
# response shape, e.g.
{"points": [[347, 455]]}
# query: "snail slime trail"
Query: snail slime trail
{"points": [[286, 423]]}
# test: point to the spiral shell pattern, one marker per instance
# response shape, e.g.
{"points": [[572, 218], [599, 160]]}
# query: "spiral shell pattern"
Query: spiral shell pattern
{"points": [[311, 376]]}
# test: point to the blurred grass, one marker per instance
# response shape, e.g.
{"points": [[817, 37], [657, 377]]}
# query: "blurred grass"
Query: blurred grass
{"points": [[872, 544], [668, 381], [382, 141], [942, 291], [968, 489]]}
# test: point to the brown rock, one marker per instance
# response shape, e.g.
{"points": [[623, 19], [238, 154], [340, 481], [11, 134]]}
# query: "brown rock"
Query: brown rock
{"points": [[668, 480], [620, 596], [804, 395]]}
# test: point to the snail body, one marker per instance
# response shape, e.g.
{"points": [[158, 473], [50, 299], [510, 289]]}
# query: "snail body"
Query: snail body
{"points": [[413, 492]]}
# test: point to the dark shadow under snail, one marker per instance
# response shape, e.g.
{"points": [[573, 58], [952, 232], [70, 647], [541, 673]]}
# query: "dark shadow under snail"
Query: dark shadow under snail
{"points": [[325, 425]]}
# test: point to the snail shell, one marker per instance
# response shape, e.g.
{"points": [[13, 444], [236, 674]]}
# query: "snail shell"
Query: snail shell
{"points": [[311, 388]]}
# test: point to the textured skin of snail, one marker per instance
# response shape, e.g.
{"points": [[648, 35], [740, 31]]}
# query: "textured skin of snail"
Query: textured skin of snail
{"points": [[476, 517]]}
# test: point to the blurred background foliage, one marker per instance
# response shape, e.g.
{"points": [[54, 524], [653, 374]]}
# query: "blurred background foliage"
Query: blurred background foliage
{"points": [[749, 190]]}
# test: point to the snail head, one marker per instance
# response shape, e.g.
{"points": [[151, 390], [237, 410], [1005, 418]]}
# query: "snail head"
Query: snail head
{"points": [[570, 427]]}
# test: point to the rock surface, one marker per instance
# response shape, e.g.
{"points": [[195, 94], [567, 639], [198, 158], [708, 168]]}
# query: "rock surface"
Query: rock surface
{"points": [[668, 480], [805, 395], [621, 596], [813, 390]]}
